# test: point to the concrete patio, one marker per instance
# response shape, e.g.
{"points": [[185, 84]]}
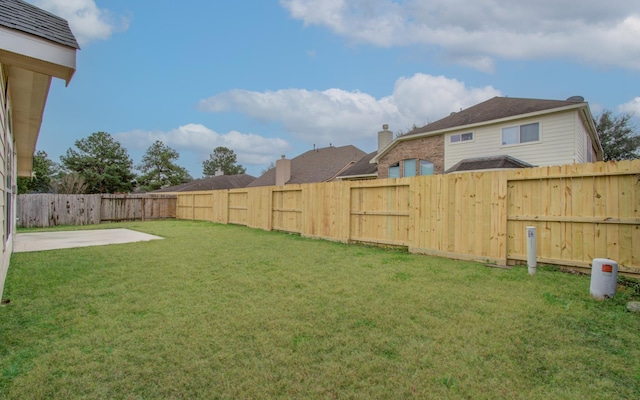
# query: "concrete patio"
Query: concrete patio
{"points": [[24, 242]]}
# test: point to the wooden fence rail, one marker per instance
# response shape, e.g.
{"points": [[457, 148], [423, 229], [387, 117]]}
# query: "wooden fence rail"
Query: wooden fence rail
{"points": [[581, 212], [44, 210]]}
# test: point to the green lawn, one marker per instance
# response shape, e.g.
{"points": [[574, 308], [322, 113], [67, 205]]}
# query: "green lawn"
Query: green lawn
{"points": [[218, 311]]}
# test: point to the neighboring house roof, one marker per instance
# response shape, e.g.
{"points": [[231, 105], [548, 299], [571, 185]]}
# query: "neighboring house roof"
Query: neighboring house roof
{"points": [[212, 183], [495, 162], [361, 169], [22, 16], [493, 109], [318, 165], [499, 109], [35, 46]]}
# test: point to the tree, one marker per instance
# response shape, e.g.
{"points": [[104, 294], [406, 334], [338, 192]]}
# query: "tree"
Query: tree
{"points": [[269, 167], [44, 170], [159, 170], [69, 183], [618, 138], [224, 159], [103, 164]]}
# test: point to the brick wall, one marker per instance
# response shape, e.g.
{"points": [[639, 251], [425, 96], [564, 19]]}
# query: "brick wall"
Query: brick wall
{"points": [[428, 148]]}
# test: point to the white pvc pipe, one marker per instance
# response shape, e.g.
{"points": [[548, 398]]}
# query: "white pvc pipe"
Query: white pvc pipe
{"points": [[531, 249]]}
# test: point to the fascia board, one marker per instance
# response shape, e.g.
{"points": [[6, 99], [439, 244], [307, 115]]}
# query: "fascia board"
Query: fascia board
{"points": [[343, 177], [32, 47]]}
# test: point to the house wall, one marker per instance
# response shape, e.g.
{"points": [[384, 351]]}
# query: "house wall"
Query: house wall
{"points": [[558, 142], [581, 140], [427, 148], [6, 246], [584, 144]]}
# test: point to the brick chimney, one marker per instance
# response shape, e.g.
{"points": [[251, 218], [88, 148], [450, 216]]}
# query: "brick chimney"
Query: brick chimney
{"points": [[283, 171], [385, 136], [219, 172]]}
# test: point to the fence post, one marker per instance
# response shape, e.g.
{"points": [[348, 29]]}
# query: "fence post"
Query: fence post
{"points": [[100, 208]]}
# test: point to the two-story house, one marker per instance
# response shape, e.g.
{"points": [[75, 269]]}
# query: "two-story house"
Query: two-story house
{"points": [[501, 132]]}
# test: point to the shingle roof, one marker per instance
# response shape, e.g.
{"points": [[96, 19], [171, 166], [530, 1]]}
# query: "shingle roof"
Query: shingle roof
{"points": [[212, 183], [492, 109], [362, 167], [493, 162], [27, 18], [319, 165]]}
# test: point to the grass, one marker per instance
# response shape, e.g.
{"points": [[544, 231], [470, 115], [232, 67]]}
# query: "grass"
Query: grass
{"points": [[218, 311]]}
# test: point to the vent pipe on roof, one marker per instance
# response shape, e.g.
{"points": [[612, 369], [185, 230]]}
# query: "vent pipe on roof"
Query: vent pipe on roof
{"points": [[385, 136]]}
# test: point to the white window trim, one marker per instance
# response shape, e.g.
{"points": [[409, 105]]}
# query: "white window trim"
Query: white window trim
{"points": [[473, 138], [525, 143]]}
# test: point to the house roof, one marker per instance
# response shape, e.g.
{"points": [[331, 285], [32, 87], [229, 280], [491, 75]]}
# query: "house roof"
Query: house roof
{"points": [[212, 183], [493, 109], [25, 17], [362, 168], [493, 162], [318, 165]]}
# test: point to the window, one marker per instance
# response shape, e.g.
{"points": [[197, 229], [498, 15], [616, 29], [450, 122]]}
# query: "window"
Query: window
{"points": [[589, 150], [394, 170], [410, 167], [426, 167], [461, 137], [521, 134]]}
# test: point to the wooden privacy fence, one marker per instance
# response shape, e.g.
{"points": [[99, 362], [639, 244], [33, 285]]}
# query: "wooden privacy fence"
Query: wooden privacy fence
{"points": [[581, 212], [44, 210]]}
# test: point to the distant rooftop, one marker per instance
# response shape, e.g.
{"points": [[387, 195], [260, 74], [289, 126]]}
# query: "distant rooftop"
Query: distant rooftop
{"points": [[219, 182], [318, 165], [362, 168]]}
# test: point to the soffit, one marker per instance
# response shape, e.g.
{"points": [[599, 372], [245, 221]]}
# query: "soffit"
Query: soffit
{"points": [[28, 92]]}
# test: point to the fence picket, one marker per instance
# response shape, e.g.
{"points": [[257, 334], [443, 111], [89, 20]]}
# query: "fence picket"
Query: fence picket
{"points": [[45, 210]]}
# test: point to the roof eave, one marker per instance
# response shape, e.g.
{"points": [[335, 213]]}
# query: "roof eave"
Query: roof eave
{"points": [[358, 176], [28, 93], [36, 54], [31, 62]]}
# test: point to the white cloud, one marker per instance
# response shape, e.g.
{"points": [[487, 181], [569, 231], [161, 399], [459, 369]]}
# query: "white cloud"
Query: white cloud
{"points": [[87, 21], [474, 33], [632, 107], [342, 117], [250, 148]]}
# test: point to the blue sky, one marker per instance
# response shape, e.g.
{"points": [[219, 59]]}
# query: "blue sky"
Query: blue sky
{"points": [[272, 77]]}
